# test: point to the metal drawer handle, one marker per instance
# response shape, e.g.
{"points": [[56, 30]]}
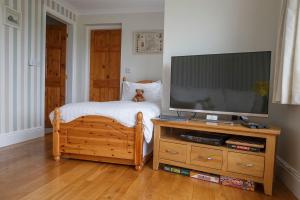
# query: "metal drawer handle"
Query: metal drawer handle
{"points": [[201, 158], [249, 165], [246, 164], [172, 152]]}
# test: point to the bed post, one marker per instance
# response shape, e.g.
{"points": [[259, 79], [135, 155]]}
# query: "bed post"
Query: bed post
{"points": [[56, 127], [139, 139]]}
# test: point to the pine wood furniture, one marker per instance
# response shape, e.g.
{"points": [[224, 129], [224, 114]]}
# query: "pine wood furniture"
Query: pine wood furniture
{"points": [[105, 65], [259, 167], [56, 40], [98, 138], [101, 139]]}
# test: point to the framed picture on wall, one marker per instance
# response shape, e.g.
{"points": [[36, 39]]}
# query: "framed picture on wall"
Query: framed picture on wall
{"points": [[148, 42], [12, 17]]}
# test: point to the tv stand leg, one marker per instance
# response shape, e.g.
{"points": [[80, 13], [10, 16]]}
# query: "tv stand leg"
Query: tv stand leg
{"points": [[157, 133], [268, 189], [155, 165], [269, 164]]}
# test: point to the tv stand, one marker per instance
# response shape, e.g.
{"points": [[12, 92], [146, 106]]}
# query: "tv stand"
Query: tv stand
{"points": [[258, 167]]}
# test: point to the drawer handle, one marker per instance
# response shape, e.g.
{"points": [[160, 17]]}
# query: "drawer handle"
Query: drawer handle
{"points": [[201, 158], [246, 165], [172, 152]]}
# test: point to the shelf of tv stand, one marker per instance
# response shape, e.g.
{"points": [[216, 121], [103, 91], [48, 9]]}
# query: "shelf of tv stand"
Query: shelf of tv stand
{"points": [[170, 149], [234, 129]]}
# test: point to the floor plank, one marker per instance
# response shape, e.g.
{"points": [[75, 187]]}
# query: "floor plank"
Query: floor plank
{"points": [[27, 171]]}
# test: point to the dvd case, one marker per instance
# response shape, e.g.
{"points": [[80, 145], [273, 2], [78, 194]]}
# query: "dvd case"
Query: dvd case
{"points": [[237, 183], [205, 176]]}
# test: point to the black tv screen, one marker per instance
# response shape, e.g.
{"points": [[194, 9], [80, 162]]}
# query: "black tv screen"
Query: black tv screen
{"points": [[235, 83]]}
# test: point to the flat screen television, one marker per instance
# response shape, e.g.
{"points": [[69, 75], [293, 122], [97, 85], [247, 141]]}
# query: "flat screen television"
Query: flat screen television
{"points": [[233, 84]]}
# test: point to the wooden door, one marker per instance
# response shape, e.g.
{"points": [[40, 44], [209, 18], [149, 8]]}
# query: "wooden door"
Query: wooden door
{"points": [[105, 65], [56, 37]]}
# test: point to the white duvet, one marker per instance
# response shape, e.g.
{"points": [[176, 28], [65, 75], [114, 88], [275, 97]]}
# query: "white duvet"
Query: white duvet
{"points": [[122, 111]]}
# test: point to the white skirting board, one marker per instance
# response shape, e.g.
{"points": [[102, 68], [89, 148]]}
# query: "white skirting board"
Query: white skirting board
{"points": [[20, 136], [48, 130], [289, 176]]}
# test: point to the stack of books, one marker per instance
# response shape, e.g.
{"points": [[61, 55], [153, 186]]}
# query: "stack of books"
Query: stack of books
{"points": [[205, 176], [238, 183], [177, 170], [246, 144]]}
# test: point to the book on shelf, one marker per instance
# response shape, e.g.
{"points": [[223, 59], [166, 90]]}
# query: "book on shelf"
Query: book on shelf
{"points": [[244, 148], [238, 183], [224, 180], [205, 176], [177, 170], [246, 144]]}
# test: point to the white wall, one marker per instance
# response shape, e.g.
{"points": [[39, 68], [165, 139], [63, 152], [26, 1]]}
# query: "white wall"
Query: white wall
{"points": [[214, 26], [141, 66], [288, 117]]}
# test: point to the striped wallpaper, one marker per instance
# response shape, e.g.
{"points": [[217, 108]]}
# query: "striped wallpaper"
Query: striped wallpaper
{"points": [[21, 68]]}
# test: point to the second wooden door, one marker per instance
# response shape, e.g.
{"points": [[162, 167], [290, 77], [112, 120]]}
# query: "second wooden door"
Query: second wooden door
{"points": [[105, 65]]}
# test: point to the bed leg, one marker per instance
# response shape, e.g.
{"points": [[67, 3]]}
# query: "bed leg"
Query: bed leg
{"points": [[56, 127], [138, 167], [56, 158], [139, 139]]}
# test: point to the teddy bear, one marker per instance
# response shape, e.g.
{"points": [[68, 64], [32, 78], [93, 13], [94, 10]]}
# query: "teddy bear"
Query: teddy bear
{"points": [[139, 96]]}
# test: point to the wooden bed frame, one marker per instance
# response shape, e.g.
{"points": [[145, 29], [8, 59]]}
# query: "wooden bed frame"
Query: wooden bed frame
{"points": [[98, 138]]}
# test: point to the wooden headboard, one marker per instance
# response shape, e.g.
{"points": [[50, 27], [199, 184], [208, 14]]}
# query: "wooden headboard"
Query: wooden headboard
{"points": [[145, 81], [141, 81]]}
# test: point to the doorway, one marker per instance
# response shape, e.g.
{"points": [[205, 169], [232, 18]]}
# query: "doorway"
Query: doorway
{"points": [[105, 65], [55, 77]]}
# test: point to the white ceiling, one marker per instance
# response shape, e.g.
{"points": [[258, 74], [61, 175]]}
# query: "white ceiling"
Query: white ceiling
{"points": [[116, 6]]}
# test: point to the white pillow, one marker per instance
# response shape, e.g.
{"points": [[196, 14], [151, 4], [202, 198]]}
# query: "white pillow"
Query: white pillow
{"points": [[152, 91]]}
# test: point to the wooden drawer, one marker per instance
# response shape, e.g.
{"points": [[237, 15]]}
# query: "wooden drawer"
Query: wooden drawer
{"points": [[246, 164], [172, 151], [206, 157]]}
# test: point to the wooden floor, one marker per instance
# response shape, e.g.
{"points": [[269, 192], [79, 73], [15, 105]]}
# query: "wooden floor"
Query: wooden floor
{"points": [[28, 172]]}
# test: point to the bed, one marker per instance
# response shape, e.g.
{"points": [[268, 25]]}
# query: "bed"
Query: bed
{"points": [[115, 132]]}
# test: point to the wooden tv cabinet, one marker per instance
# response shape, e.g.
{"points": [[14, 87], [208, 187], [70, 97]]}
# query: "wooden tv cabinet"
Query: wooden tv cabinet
{"points": [[258, 167]]}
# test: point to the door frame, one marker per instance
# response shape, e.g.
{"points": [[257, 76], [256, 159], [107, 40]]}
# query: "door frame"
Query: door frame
{"points": [[89, 29], [70, 58]]}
